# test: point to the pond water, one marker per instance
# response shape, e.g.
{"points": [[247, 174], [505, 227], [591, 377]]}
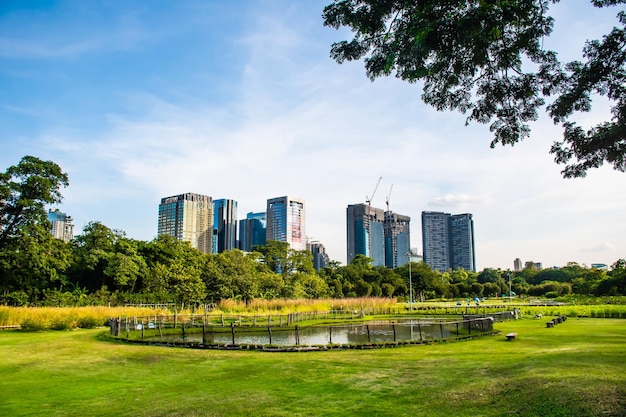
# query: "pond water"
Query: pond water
{"points": [[324, 335]]}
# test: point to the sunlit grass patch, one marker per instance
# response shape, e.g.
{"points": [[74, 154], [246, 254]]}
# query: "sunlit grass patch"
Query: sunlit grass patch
{"points": [[573, 369]]}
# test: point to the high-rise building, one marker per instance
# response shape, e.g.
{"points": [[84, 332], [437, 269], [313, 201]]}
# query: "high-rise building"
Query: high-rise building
{"points": [[517, 265], [62, 225], [286, 219], [252, 231], [435, 240], [224, 225], [448, 241], [383, 236], [188, 217], [533, 265], [397, 239], [462, 254], [365, 233], [320, 257]]}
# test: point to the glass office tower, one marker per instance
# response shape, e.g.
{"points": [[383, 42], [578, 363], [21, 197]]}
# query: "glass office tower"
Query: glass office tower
{"points": [[252, 231], [286, 219], [188, 217], [448, 241], [224, 225], [462, 242], [365, 233], [397, 239]]}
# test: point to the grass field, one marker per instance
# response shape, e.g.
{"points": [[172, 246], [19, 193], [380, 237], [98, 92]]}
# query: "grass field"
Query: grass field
{"points": [[577, 368]]}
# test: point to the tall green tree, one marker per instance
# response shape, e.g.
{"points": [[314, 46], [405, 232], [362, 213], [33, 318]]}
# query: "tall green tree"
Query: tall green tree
{"points": [[30, 258], [25, 190], [615, 284], [174, 271], [31, 263], [422, 277], [125, 266], [238, 275], [177, 282], [275, 254], [486, 59], [93, 250]]}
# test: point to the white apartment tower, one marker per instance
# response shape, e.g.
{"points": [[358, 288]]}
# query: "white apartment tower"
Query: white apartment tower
{"points": [[62, 226]]}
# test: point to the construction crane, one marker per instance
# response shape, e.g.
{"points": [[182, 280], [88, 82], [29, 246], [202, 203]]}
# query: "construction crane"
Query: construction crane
{"points": [[388, 197], [368, 200]]}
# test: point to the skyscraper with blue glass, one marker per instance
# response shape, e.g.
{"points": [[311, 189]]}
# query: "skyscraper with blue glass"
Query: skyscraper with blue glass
{"points": [[365, 233], [462, 254], [286, 220], [252, 231], [397, 239], [224, 225]]}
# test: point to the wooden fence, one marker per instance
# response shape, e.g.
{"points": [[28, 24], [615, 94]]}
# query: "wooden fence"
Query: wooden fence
{"points": [[232, 330]]}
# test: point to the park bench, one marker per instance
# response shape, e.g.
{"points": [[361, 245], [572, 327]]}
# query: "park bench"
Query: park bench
{"points": [[556, 320], [511, 336]]}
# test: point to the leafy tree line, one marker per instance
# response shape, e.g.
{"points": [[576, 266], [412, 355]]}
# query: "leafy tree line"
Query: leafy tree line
{"points": [[104, 266]]}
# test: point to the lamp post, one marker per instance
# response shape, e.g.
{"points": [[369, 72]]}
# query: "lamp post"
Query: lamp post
{"points": [[408, 254], [510, 294]]}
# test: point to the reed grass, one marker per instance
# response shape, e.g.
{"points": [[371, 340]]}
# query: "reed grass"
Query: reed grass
{"points": [[302, 305], [65, 318]]}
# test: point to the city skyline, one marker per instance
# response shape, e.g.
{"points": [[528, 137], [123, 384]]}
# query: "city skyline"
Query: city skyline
{"points": [[136, 101]]}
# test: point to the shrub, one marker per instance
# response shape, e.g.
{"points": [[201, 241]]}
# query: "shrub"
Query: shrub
{"points": [[33, 325], [89, 322], [63, 323]]}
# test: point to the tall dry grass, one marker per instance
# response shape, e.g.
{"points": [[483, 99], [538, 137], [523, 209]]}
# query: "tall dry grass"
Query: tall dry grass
{"points": [[63, 318], [302, 305]]}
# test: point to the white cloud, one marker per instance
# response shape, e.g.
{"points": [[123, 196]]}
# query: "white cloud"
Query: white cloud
{"points": [[459, 201], [600, 247]]}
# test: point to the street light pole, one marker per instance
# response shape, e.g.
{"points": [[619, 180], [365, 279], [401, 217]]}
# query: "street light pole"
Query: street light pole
{"points": [[510, 294], [408, 254]]}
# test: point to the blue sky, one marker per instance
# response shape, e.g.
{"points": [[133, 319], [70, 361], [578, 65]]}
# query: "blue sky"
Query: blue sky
{"points": [[239, 99]]}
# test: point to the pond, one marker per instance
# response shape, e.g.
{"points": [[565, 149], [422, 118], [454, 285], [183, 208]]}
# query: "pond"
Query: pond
{"points": [[378, 331]]}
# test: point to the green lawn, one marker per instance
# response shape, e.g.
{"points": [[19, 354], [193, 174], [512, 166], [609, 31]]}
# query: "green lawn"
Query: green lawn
{"points": [[577, 368]]}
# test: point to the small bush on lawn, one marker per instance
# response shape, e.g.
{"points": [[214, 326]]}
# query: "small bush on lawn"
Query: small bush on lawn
{"points": [[33, 325], [89, 322], [63, 323]]}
